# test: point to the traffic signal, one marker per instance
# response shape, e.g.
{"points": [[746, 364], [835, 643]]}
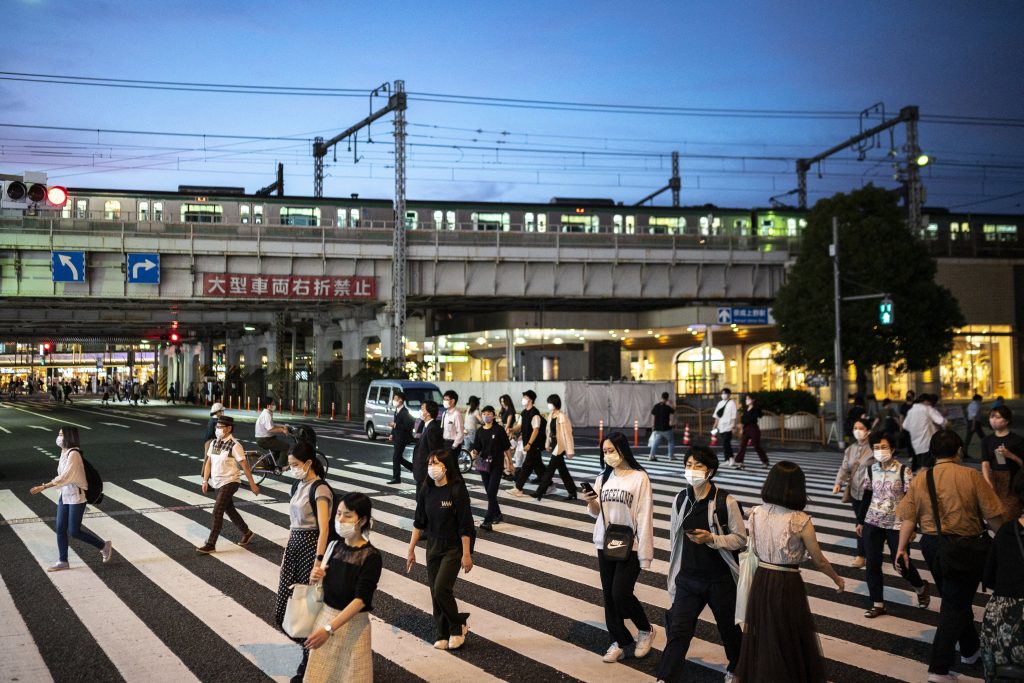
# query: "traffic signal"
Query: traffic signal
{"points": [[31, 190], [174, 337], [44, 351], [885, 312]]}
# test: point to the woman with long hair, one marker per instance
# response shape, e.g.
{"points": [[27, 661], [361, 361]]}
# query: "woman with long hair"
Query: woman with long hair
{"points": [[780, 642], [444, 515], [340, 647], [622, 495], [71, 503], [471, 422], [853, 472], [310, 511]]}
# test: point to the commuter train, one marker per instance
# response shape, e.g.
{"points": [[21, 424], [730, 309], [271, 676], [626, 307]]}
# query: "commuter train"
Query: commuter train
{"points": [[955, 232]]}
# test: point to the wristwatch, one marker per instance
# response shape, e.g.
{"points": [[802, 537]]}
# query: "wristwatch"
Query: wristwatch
{"points": [[327, 627]]}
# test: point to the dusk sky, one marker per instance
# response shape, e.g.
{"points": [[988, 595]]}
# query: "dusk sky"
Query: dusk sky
{"points": [[735, 61]]}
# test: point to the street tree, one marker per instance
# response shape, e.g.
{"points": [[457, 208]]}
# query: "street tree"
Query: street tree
{"points": [[877, 254]]}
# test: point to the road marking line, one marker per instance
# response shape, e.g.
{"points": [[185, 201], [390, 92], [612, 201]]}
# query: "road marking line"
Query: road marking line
{"points": [[22, 659], [6, 431], [119, 414], [45, 429], [53, 419], [114, 424]]}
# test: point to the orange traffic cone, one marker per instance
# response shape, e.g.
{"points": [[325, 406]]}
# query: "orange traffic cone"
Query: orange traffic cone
{"points": [[686, 435]]}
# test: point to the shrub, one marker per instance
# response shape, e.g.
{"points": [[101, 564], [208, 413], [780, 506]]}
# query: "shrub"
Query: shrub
{"points": [[786, 401]]}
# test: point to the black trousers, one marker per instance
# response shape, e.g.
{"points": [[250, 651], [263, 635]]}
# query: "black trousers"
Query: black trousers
{"points": [[618, 579], [973, 427], [751, 434], [556, 464], [398, 460], [875, 539], [443, 564], [726, 439], [681, 622], [533, 463], [956, 616], [492, 482]]}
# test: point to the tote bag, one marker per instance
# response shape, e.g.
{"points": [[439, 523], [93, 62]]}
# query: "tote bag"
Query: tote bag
{"points": [[304, 605], [748, 566]]}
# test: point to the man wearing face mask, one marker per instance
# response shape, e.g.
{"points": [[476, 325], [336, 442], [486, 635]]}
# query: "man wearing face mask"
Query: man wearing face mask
{"points": [[430, 440], [725, 420], [531, 428], [222, 465], [707, 530], [452, 430], [401, 437], [267, 433]]}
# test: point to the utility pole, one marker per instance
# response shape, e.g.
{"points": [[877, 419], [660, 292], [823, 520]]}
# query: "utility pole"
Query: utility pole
{"points": [[276, 186], [837, 372], [674, 184], [397, 103]]}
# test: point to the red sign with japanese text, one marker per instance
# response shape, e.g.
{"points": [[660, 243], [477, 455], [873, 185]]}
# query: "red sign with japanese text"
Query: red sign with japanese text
{"points": [[319, 288]]}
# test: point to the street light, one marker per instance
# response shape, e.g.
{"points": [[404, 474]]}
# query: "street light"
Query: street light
{"points": [[923, 160]]}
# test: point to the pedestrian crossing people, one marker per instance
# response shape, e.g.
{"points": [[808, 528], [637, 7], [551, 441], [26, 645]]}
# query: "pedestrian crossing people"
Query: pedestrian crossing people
{"points": [[662, 431], [341, 647], [559, 443], [702, 567], [491, 449], [471, 422], [877, 525], [309, 512], [1001, 454], [953, 502], [224, 461], [853, 472], [725, 421], [452, 429], [621, 500], [531, 430], [71, 503], [922, 421], [780, 642], [443, 515], [430, 440], [1002, 629], [751, 433], [400, 437]]}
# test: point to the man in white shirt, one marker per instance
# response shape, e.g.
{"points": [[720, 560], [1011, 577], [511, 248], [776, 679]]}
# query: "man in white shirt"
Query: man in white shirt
{"points": [[725, 420], [922, 420], [451, 423], [266, 434]]}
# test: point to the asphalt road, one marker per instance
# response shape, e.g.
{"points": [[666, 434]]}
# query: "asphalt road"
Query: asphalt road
{"points": [[159, 611]]}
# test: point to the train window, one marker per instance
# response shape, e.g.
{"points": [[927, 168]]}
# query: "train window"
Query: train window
{"points": [[158, 211], [542, 222], [931, 232], [630, 225], [412, 220], [353, 218], [300, 215], [438, 220], [81, 208], [791, 227], [668, 225], [244, 214], [617, 223], [201, 213], [450, 218], [143, 211], [112, 210], [999, 233], [257, 214], [491, 221], [574, 223], [528, 222], [342, 218]]}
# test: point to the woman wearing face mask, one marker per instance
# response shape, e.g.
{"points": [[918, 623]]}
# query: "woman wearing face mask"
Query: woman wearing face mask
{"points": [[751, 434], [560, 445], [854, 472], [340, 648], [878, 526], [622, 495], [490, 449], [310, 513], [71, 502], [443, 513], [471, 422], [706, 529]]}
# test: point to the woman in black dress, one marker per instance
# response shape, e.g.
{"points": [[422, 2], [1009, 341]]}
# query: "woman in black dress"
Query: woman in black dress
{"points": [[751, 434]]}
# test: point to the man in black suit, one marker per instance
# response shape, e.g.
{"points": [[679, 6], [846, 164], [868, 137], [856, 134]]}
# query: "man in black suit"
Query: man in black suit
{"points": [[401, 436], [430, 441]]}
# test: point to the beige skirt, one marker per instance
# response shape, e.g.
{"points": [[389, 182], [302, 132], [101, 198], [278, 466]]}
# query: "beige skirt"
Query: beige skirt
{"points": [[347, 656]]}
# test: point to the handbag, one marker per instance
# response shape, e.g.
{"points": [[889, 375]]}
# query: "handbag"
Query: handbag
{"points": [[961, 557], [520, 455], [618, 539], [304, 605], [748, 567]]}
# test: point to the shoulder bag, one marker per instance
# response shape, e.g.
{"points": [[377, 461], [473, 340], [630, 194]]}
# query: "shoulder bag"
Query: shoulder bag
{"points": [[305, 604], [748, 567], [618, 538], [961, 557]]}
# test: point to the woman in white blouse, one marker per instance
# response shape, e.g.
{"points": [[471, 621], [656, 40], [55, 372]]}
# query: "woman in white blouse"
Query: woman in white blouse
{"points": [[71, 502]]}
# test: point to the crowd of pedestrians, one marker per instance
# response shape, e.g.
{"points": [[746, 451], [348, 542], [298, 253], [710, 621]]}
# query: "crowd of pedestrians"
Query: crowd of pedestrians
{"points": [[746, 568]]}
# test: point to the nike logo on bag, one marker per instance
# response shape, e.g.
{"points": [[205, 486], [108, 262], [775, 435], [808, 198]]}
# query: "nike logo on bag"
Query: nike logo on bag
{"points": [[612, 545]]}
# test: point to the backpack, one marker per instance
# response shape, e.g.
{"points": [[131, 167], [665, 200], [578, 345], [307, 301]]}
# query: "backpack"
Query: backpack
{"points": [[721, 510], [93, 482], [332, 534]]}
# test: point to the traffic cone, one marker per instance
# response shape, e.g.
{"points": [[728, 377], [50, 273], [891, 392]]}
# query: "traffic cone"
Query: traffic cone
{"points": [[686, 435]]}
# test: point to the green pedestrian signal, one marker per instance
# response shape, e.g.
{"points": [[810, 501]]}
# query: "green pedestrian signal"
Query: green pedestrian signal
{"points": [[885, 312]]}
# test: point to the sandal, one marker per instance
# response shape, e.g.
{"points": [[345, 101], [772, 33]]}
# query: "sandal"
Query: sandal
{"points": [[875, 611]]}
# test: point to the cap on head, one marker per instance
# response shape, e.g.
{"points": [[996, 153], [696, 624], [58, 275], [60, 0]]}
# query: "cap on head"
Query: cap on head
{"points": [[226, 420], [216, 408]]}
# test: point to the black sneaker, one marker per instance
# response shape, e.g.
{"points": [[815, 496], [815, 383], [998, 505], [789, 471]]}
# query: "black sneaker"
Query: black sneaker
{"points": [[486, 526], [206, 549]]}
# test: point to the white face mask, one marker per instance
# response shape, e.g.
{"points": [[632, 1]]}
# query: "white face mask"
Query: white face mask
{"points": [[297, 472], [60, 441], [447, 403], [883, 456], [612, 459], [525, 402], [435, 472], [347, 530], [695, 477], [551, 407], [860, 434], [219, 433], [396, 404]]}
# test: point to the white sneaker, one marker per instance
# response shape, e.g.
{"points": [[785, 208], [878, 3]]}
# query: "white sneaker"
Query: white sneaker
{"points": [[731, 462], [644, 641], [729, 677], [107, 552], [440, 644], [614, 654], [58, 566], [972, 659], [455, 642]]}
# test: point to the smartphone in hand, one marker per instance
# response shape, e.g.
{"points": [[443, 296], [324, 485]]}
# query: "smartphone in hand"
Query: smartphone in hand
{"points": [[585, 487]]}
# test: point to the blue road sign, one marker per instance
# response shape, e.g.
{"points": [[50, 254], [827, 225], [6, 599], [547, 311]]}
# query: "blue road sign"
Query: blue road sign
{"points": [[143, 269], [68, 266], [744, 315]]}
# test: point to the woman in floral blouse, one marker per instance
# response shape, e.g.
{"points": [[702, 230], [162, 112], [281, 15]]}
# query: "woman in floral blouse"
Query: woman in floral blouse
{"points": [[887, 482]]}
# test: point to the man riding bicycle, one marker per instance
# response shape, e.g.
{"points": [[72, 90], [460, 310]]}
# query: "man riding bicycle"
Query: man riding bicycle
{"points": [[266, 434]]}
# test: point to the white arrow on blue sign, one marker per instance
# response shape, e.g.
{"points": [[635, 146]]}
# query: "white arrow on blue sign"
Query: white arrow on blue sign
{"points": [[68, 266], [143, 269]]}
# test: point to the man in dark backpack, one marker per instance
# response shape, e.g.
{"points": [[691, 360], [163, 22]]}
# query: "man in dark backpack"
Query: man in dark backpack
{"points": [[707, 531]]}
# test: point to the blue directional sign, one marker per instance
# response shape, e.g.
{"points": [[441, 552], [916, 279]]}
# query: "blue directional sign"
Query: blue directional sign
{"points": [[744, 315], [68, 266], [143, 269]]}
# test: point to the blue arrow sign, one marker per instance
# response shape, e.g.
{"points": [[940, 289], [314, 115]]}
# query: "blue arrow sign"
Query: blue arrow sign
{"points": [[68, 266], [143, 269]]}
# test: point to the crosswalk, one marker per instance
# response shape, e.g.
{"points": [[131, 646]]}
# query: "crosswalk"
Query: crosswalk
{"points": [[161, 612]]}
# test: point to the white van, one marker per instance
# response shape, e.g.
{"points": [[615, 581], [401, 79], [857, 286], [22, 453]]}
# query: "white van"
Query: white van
{"points": [[379, 413]]}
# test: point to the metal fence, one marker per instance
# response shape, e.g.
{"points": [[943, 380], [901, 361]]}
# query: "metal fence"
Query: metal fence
{"points": [[798, 428]]}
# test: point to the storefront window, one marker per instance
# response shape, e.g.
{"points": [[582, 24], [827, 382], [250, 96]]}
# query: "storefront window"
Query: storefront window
{"points": [[699, 370], [981, 362]]}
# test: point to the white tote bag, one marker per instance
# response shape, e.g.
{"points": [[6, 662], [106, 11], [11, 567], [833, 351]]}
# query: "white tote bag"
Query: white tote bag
{"points": [[748, 565], [304, 605], [520, 455]]}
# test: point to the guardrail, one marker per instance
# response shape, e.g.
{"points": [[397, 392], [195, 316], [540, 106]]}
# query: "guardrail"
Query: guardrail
{"points": [[797, 428]]}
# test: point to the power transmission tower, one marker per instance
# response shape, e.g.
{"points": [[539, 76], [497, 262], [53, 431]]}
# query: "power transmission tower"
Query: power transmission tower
{"points": [[397, 103], [673, 184]]}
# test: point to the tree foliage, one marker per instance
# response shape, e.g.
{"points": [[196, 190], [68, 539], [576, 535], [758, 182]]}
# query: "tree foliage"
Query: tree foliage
{"points": [[877, 253]]}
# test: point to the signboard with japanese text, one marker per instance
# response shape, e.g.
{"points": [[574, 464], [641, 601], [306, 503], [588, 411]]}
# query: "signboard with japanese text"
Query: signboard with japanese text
{"points": [[306, 287]]}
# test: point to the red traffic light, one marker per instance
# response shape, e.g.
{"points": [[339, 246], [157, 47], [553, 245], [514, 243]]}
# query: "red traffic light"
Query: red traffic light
{"points": [[57, 196], [47, 346], [175, 337]]}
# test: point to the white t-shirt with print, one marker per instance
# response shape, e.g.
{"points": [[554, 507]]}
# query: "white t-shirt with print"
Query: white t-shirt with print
{"points": [[225, 457]]}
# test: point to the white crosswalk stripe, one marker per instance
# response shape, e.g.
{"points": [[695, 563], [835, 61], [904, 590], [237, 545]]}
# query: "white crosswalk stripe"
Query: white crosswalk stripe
{"points": [[554, 611]]}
